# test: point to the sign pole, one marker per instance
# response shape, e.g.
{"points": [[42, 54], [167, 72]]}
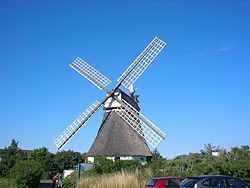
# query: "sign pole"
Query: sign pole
{"points": [[79, 170]]}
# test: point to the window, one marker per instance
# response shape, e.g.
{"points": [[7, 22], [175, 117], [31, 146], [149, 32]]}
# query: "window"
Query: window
{"points": [[151, 182], [189, 182], [117, 158], [214, 182], [171, 183], [234, 183], [206, 183]]}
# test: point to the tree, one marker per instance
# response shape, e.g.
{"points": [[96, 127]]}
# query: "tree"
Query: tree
{"points": [[9, 156], [156, 155], [209, 149], [238, 160], [27, 173], [45, 158], [191, 159], [211, 165], [12, 150], [84, 157], [65, 160], [240, 153]]}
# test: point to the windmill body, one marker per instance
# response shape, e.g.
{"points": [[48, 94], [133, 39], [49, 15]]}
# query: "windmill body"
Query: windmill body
{"points": [[124, 132], [112, 103], [115, 138]]}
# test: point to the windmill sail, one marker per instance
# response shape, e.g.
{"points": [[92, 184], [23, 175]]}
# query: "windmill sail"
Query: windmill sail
{"points": [[146, 129], [93, 75], [61, 140], [140, 64]]}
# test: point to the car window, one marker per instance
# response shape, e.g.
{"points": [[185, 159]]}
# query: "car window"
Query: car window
{"points": [[171, 183], [234, 183], [189, 182], [214, 182], [151, 182]]}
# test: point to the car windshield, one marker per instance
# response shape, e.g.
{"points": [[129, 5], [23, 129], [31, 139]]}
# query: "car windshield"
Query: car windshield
{"points": [[189, 182], [172, 183], [151, 182]]}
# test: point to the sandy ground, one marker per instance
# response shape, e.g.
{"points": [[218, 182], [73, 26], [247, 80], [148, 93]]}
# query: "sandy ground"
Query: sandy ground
{"points": [[45, 184]]}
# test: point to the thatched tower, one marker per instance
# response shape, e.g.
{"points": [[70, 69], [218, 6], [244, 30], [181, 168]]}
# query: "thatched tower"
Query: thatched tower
{"points": [[115, 138]]}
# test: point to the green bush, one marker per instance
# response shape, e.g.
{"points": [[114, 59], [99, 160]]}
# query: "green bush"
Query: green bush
{"points": [[7, 183], [102, 165], [27, 173], [127, 165], [6, 164], [3, 170]]}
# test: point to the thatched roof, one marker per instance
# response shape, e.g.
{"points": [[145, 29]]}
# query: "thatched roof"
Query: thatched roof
{"points": [[116, 138]]}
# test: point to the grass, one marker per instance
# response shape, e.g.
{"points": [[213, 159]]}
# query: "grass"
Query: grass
{"points": [[7, 183], [121, 180]]}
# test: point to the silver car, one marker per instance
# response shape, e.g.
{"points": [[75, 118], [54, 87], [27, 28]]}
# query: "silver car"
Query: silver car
{"points": [[213, 181]]}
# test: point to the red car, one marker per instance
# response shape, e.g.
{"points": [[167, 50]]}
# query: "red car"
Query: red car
{"points": [[173, 182]]}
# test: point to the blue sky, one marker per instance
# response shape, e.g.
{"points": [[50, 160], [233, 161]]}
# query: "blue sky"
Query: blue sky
{"points": [[197, 90]]}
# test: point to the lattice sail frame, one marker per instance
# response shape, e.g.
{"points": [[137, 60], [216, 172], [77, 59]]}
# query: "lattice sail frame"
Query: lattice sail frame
{"points": [[145, 128], [66, 135], [143, 60], [89, 72]]}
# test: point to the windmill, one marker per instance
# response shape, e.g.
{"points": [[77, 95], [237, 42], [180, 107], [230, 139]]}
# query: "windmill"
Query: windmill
{"points": [[124, 132]]}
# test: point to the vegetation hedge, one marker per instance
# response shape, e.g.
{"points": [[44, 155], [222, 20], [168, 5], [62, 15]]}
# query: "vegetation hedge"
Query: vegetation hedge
{"points": [[102, 165], [27, 173], [41, 163]]}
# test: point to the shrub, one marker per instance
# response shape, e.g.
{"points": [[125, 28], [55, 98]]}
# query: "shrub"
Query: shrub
{"points": [[6, 165], [27, 173], [102, 165], [3, 170], [7, 183], [127, 165]]}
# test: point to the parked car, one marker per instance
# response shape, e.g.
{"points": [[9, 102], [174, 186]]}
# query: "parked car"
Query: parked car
{"points": [[213, 181], [164, 182]]}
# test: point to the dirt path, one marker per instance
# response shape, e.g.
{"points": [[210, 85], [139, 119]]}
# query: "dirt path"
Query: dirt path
{"points": [[45, 184]]}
